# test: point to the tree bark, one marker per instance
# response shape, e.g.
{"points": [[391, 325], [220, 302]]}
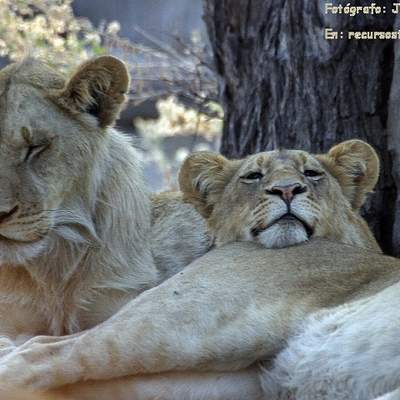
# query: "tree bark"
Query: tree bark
{"points": [[394, 140], [283, 85]]}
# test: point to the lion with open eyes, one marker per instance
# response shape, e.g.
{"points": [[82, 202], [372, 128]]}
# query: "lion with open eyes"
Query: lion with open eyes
{"points": [[201, 333], [282, 198]]}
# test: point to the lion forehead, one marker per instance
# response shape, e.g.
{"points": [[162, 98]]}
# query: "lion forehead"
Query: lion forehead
{"points": [[27, 99], [277, 159], [31, 72]]}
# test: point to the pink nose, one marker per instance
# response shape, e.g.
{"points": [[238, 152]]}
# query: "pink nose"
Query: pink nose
{"points": [[287, 192], [6, 214]]}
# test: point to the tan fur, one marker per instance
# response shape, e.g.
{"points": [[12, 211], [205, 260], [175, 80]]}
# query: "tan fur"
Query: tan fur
{"points": [[99, 88], [240, 209], [20, 395], [355, 165], [236, 305], [76, 240], [204, 330], [180, 235]]}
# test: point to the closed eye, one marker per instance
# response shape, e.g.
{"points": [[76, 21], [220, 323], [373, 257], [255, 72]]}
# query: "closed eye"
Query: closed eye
{"points": [[34, 151], [313, 174], [252, 176]]}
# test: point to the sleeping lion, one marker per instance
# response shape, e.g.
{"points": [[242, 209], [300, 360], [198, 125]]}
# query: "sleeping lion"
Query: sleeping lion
{"points": [[76, 237], [202, 333]]}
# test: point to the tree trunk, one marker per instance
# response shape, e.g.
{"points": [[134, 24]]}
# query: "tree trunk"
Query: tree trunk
{"points": [[394, 140], [283, 85]]}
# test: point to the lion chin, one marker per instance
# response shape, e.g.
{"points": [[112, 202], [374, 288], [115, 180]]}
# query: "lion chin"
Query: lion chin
{"points": [[283, 233]]}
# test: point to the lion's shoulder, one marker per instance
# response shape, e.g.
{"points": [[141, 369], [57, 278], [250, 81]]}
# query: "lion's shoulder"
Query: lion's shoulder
{"points": [[179, 232], [165, 203]]}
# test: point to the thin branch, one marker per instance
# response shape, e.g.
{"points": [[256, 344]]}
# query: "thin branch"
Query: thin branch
{"points": [[159, 70]]}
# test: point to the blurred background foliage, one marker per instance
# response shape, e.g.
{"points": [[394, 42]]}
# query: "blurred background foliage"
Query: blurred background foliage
{"points": [[172, 108], [47, 29]]}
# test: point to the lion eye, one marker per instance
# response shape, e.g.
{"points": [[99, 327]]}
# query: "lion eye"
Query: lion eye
{"points": [[34, 151], [310, 173], [252, 176]]}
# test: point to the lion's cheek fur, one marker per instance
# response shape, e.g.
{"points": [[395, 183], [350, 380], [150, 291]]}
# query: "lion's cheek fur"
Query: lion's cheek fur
{"points": [[340, 223]]}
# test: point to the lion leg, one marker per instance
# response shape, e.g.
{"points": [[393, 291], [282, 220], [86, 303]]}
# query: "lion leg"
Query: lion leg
{"points": [[12, 332], [159, 331], [351, 351], [239, 385], [6, 346]]}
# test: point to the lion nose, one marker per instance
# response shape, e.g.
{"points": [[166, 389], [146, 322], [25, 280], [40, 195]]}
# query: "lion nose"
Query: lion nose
{"points": [[287, 192], [4, 215]]}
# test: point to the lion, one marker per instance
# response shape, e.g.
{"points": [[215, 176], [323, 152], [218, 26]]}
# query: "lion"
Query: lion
{"points": [[282, 198], [76, 240], [203, 333]]}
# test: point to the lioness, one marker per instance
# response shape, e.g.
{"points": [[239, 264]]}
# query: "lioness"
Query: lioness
{"points": [[75, 215], [203, 331], [281, 198]]}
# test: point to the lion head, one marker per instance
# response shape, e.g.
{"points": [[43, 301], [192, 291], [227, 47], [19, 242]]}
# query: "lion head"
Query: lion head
{"points": [[75, 213], [284, 197], [55, 146]]}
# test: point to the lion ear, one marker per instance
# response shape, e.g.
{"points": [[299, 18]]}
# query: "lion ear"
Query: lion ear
{"points": [[202, 179], [99, 88], [355, 164]]}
